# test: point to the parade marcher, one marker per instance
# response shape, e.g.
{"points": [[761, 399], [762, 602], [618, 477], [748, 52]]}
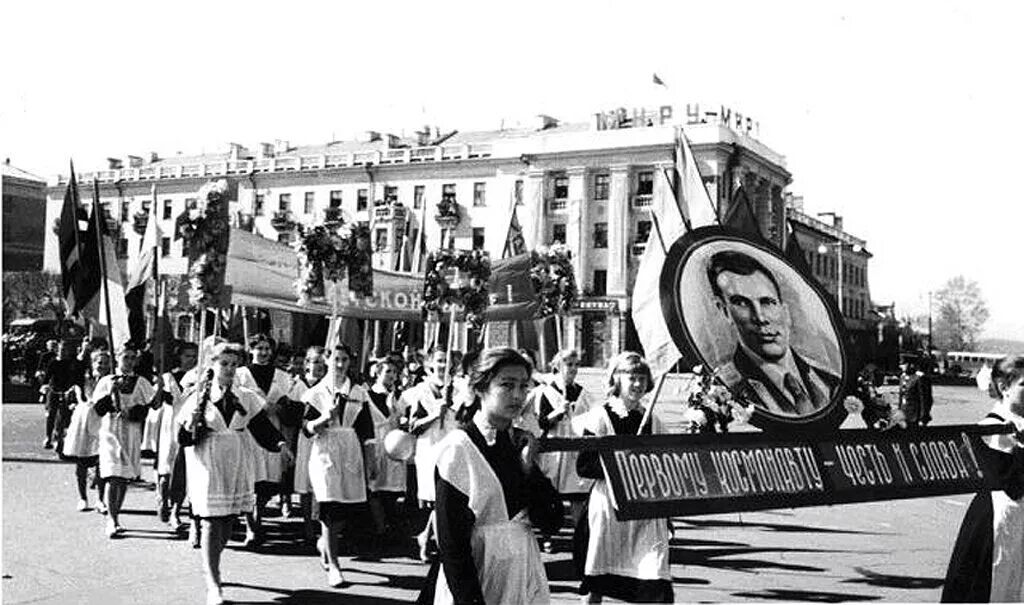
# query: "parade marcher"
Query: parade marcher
{"points": [[337, 421], [915, 395], [559, 406], [81, 443], [122, 400], [170, 460], [987, 564], [489, 494], [315, 369], [272, 384], [386, 413], [58, 375], [626, 560], [212, 428], [429, 406]]}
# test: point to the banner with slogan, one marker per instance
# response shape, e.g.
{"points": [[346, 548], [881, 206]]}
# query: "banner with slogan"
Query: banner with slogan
{"points": [[673, 475]]}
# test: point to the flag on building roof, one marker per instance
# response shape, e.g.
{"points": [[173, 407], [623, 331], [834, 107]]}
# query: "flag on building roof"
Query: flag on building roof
{"points": [[671, 222], [658, 81], [79, 272]]}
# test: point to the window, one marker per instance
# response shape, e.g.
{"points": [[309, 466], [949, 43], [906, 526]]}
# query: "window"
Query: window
{"points": [[390, 193], [561, 187], [600, 282], [362, 199], [307, 204], [600, 186], [284, 202], [446, 236], [643, 231], [257, 206], [645, 183], [448, 191], [558, 233], [147, 205], [165, 246], [479, 194], [168, 209], [335, 198], [122, 247], [381, 240], [600, 235], [418, 192], [124, 210], [517, 192], [478, 238]]}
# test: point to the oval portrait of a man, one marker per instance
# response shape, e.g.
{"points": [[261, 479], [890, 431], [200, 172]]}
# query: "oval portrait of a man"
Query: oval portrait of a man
{"points": [[763, 327]]}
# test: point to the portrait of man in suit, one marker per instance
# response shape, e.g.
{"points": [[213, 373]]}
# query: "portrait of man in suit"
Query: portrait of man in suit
{"points": [[765, 368]]}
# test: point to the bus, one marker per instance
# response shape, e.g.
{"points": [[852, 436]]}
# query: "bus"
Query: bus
{"points": [[967, 363]]}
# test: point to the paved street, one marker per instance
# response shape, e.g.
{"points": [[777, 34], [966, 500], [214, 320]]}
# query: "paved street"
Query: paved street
{"points": [[883, 551]]}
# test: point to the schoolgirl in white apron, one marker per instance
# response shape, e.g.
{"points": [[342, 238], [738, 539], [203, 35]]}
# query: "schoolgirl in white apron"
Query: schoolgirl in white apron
{"points": [[626, 560], [81, 443], [167, 444], [385, 413], [122, 400], [315, 369], [337, 470]]}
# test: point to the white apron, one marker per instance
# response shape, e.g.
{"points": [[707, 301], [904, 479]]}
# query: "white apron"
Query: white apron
{"points": [[427, 441], [267, 464], [82, 437], [633, 549], [560, 467], [303, 444], [167, 437], [508, 562], [391, 474], [120, 440], [336, 471], [220, 474]]}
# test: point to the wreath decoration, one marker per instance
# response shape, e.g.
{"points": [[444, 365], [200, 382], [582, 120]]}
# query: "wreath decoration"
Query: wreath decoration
{"points": [[553, 279], [205, 229], [448, 211], [329, 253], [468, 293]]}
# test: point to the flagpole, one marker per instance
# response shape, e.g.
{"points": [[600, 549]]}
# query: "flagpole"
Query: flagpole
{"points": [[650, 407], [158, 354], [100, 234]]}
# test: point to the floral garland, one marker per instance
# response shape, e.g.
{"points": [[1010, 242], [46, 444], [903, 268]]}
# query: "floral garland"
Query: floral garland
{"points": [[205, 229], [553, 279], [711, 406], [474, 269], [448, 208], [328, 254]]}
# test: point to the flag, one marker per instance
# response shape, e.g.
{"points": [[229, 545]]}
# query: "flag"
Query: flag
{"points": [[514, 242], [79, 273], [139, 275], [741, 215], [113, 323], [794, 252], [667, 213], [658, 81]]}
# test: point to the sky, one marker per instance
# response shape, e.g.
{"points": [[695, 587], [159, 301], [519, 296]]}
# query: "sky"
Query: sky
{"points": [[903, 117]]}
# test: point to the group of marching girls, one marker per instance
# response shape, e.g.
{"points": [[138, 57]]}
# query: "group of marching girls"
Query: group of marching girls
{"points": [[456, 436]]}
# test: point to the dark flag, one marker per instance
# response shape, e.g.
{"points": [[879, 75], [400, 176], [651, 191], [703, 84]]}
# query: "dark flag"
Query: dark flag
{"points": [[80, 276], [794, 252], [741, 215], [514, 242]]}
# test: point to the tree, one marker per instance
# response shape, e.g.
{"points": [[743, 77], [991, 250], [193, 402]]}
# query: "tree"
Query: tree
{"points": [[31, 294], [961, 313]]}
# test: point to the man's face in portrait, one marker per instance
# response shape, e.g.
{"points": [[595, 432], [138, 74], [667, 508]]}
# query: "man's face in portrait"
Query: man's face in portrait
{"points": [[753, 305]]}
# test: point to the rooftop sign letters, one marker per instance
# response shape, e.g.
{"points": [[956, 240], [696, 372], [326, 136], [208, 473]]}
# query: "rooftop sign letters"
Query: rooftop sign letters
{"points": [[639, 117]]}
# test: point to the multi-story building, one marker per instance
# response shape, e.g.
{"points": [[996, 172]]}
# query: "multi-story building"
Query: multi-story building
{"points": [[587, 185], [24, 198], [839, 261]]}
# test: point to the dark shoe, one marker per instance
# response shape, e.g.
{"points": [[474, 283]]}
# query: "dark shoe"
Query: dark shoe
{"points": [[47, 445]]}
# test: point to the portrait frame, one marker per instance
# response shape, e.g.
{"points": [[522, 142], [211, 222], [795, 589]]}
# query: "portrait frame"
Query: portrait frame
{"points": [[815, 332]]}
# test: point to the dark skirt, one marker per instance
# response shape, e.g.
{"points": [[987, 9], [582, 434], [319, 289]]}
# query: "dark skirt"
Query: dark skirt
{"points": [[339, 511], [630, 590], [969, 575]]}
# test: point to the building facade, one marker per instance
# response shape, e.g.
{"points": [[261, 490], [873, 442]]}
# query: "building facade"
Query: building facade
{"points": [[587, 185], [24, 199]]}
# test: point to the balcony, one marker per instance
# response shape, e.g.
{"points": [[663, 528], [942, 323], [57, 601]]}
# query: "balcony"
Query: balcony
{"points": [[638, 249], [283, 221], [643, 200], [390, 211], [139, 221], [558, 204]]}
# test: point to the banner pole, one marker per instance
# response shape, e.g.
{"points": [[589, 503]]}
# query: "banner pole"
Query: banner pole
{"points": [[100, 235], [245, 325], [654, 398]]}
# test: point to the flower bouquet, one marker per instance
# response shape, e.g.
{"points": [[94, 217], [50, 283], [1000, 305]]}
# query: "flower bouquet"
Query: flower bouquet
{"points": [[459, 278], [328, 253], [553, 280], [205, 229], [711, 406]]}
